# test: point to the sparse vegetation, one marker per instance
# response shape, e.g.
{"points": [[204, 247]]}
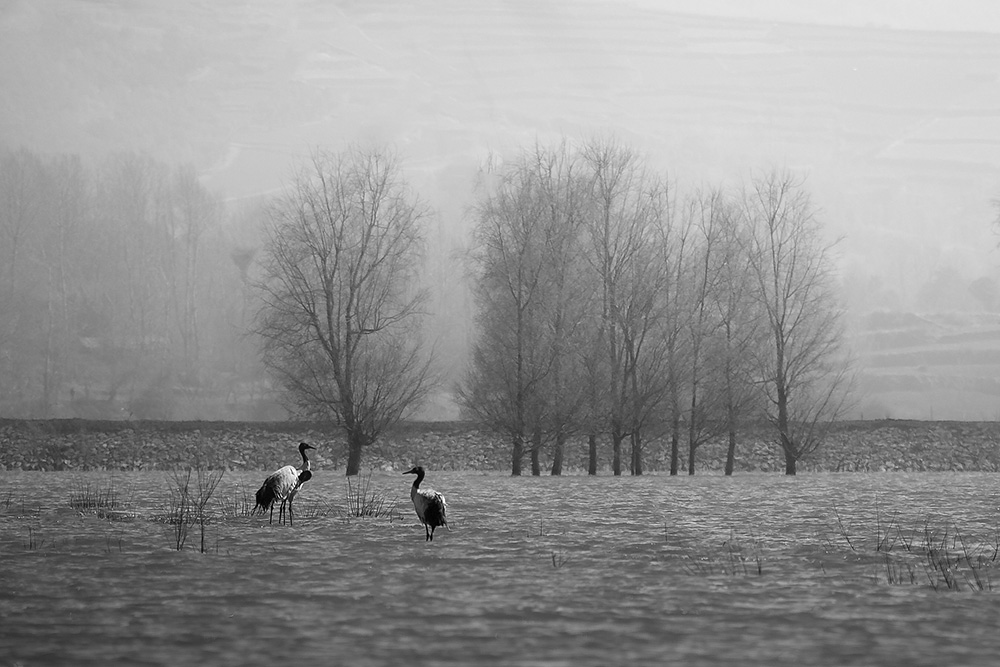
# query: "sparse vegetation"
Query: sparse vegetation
{"points": [[541, 529], [238, 505], [365, 500], [944, 559], [113, 542], [95, 496], [188, 503], [310, 509], [34, 541], [738, 557]]}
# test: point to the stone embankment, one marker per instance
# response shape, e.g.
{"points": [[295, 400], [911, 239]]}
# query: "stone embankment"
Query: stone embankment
{"points": [[106, 445]]}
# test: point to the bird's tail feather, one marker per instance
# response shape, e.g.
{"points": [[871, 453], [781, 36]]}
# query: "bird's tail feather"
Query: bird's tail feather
{"points": [[265, 498]]}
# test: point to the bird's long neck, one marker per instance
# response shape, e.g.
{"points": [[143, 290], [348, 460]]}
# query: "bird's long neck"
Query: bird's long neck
{"points": [[305, 460], [420, 478]]}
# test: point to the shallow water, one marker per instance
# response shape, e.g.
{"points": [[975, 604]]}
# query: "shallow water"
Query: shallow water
{"points": [[750, 570]]}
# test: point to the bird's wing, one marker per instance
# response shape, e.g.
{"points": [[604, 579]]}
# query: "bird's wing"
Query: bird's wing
{"points": [[281, 473], [434, 506], [283, 480]]}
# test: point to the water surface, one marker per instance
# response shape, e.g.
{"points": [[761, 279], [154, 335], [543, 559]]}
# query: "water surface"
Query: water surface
{"points": [[749, 570]]}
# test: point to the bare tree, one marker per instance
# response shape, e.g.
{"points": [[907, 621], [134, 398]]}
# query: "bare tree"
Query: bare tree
{"points": [[109, 276], [802, 368], [626, 215], [567, 297], [195, 211], [21, 197], [340, 309], [710, 218], [509, 358], [737, 337], [20, 203], [59, 252], [132, 202]]}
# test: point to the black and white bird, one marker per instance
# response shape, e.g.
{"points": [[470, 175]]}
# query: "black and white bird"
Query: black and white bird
{"points": [[430, 505], [282, 485]]}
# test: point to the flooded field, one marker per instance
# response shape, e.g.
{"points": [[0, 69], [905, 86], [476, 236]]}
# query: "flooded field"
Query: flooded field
{"points": [[821, 569]]}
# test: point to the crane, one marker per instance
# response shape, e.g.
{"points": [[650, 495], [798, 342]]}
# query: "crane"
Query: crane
{"points": [[429, 504], [282, 485]]}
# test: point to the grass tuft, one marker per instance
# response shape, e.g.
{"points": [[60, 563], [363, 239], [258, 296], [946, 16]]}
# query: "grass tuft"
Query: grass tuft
{"points": [[240, 505], [95, 497], [944, 559], [737, 557], [104, 501], [363, 500], [35, 541], [314, 509], [188, 502]]}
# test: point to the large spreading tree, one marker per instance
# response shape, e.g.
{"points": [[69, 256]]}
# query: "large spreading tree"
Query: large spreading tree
{"points": [[341, 305]]}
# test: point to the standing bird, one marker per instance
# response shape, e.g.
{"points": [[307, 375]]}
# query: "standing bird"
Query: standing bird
{"points": [[282, 485], [428, 503]]}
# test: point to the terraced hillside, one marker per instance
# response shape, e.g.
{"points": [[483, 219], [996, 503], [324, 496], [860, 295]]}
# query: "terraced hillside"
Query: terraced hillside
{"points": [[943, 366]]}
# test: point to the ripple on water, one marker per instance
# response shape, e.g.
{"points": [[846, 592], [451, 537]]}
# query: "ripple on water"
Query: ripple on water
{"points": [[544, 571]]}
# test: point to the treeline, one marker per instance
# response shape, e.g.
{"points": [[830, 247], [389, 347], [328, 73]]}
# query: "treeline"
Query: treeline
{"points": [[611, 305], [608, 304], [122, 290]]}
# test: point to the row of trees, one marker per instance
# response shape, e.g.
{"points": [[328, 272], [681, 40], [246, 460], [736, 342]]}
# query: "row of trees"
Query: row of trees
{"points": [[118, 283], [608, 305]]}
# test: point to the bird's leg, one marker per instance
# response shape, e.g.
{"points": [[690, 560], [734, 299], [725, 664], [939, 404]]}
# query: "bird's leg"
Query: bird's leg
{"points": [[291, 519], [271, 520], [432, 532]]}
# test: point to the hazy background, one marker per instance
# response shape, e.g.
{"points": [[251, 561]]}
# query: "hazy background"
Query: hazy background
{"points": [[891, 110]]}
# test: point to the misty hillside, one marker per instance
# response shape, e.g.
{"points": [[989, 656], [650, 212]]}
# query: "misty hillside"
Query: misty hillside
{"points": [[941, 366], [897, 131]]}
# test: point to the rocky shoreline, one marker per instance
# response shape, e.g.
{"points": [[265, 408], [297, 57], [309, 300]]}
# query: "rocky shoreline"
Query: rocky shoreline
{"points": [[860, 446]]}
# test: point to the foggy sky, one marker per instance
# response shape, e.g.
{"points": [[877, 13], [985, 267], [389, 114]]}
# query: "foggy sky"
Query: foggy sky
{"points": [[891, 110]]}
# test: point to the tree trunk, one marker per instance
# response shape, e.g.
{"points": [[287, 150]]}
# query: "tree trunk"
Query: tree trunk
{"points": [[787, 444], [730, 415], [731, 453], [790, 457], [692, 446], [616, 458], [536, 448], [557, 453], [631, 454], [592, 454], [516, 454], [692, 437], [693, 414], [789, 464], [675, 441], [355, 443], [636, 453]]}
